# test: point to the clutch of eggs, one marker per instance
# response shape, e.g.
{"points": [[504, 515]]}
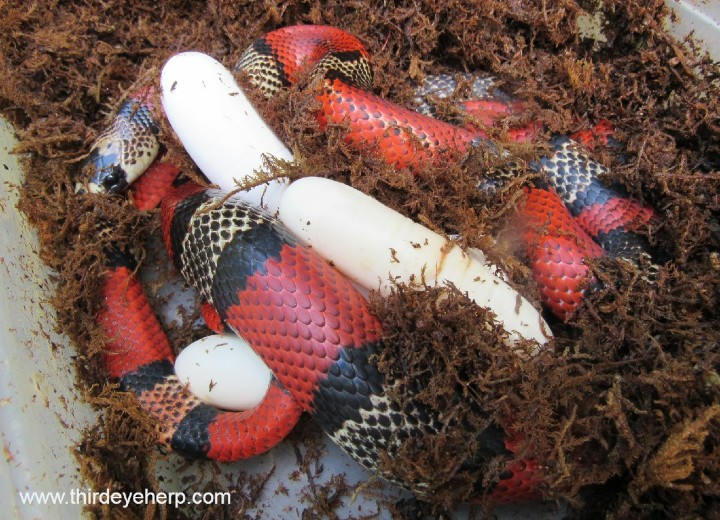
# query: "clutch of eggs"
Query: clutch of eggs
{"points": [[365, 240]]}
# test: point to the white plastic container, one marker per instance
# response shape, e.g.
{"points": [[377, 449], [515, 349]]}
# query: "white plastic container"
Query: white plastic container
{"points": [[42, 414]]}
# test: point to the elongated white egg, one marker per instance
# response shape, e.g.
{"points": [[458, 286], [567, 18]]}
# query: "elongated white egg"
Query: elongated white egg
{"points": [[223, 371], [374, 245], [217, 125]]}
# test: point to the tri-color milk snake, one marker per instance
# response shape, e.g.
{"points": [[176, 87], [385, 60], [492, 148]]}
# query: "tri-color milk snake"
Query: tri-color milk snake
{"points": [[309, 324]]}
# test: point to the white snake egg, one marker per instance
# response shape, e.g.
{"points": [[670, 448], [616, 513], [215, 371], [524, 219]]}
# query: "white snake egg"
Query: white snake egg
{"points": [[223, 371], [218, 126]]}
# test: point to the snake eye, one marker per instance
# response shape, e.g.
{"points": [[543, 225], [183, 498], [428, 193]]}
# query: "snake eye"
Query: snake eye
{"points": [[114, 180]]}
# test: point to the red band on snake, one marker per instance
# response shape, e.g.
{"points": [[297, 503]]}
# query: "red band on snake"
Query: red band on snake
{"points": [[306, 321]]}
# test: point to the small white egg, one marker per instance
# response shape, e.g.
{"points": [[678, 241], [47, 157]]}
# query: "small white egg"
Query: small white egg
{"points": [[224, 371], [217, 125]]}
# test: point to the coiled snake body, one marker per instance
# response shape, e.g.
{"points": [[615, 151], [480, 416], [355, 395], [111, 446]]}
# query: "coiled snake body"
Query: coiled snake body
{"points": [[308, 323], [557, 240]]}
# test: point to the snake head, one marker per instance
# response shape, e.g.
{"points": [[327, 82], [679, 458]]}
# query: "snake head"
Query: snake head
{"points": [[104, 171], [125, 150]]}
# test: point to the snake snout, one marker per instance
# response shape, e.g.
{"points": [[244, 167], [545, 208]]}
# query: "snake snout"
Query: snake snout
{"points": [[105, 182], [109, 180], [103, 169], [103, 177]]}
